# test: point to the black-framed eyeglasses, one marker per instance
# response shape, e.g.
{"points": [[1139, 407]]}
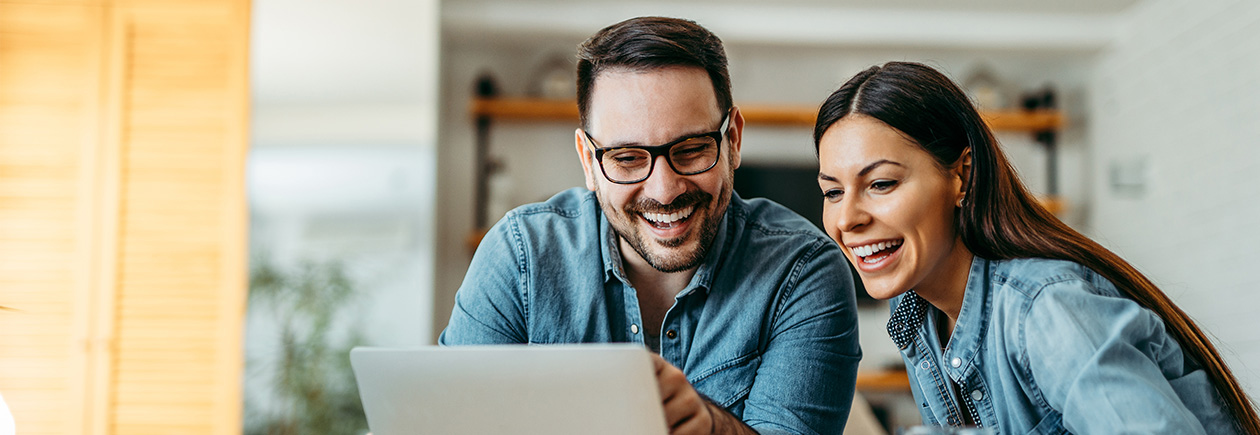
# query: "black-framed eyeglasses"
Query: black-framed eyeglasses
{"points": [[689, 155]]}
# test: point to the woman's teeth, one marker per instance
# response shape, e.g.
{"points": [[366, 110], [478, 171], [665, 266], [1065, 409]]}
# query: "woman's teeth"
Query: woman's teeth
{"points": [[871, 249]]}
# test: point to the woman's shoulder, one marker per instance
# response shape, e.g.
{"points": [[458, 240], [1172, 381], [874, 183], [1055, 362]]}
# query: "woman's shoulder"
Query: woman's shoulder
{"points": [[1032, 276]]}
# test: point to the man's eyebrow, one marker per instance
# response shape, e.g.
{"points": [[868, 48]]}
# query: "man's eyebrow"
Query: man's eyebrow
{"points": [[628, 144], [864, 171]]}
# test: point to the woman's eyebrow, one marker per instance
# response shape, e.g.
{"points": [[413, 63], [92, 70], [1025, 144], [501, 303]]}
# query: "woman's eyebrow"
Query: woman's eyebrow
{"points": [[864, 171], [872, 166]]}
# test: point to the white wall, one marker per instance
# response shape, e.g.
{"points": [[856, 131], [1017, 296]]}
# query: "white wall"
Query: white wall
{"points": [[343, 166], [345, 142], [1180, 91]]}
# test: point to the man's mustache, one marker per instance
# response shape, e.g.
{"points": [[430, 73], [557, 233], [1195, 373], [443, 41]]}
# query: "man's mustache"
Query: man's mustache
{"points": [[688, 199]]}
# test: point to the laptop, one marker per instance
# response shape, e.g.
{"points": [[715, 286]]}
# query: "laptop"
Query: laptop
{"points": [[509, 389]]}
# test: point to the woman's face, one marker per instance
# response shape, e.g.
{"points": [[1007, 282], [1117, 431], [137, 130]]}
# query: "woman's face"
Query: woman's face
{"points": [[890, 206]]}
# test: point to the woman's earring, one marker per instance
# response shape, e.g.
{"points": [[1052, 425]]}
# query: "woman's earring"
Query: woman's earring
{"points": [[960, 201]]}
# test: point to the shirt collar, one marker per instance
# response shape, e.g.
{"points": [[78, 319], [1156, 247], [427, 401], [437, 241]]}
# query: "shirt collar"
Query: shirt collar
{"points": [[973, 317], [907, 319], [703, 279]]}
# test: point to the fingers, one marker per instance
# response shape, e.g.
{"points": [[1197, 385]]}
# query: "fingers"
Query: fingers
{"points": [[687, 414], [685, 411], [694, 426]]}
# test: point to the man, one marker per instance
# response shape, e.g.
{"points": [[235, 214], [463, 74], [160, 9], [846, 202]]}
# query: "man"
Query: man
{"points": [[750, 308]]}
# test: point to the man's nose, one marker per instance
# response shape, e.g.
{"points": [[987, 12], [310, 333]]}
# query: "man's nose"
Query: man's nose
{"points": [[664, 184]]}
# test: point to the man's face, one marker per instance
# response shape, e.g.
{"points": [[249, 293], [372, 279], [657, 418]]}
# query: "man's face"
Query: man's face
{"points": [[669, 220]]}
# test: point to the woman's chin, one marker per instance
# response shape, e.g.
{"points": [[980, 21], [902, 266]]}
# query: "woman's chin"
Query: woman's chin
{"points": [[881, 290]]}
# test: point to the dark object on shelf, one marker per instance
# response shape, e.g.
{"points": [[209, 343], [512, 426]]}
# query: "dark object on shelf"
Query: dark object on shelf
{"points": [[485, 88], [1039, 99], [795, 187], [1044, 99]]}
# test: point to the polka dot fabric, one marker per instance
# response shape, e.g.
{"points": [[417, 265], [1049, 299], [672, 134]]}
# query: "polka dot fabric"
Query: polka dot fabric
{"points": [[906, 319]]}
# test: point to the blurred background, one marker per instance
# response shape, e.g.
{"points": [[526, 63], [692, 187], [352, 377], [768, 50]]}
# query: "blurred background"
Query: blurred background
{"points": [[205, 203]]}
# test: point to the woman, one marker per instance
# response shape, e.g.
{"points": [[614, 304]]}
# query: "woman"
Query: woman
{"points": [[1005, 317]]}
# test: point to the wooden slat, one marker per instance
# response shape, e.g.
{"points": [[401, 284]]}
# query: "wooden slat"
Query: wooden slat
{"points": [[762, 114], [49, 61], [181, 252]]}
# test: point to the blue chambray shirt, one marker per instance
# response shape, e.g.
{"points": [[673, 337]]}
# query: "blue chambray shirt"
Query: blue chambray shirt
{"points": [[1050, 347], [767, 327]]}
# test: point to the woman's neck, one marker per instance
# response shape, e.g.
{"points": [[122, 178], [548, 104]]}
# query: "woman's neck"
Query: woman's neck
{"points": [[944, 287]]}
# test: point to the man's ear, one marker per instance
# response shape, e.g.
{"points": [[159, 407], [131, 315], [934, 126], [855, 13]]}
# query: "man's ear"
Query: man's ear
{"points": [[584, 155], [735, 134]]}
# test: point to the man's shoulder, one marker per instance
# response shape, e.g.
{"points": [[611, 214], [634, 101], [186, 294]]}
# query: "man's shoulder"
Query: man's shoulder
{"points": [[769, 236], [567, 223], [769, 221], [568, 204]]}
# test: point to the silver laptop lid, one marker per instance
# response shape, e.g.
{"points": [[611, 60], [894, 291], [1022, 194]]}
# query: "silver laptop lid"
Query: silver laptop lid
{"points": [[512, 389]]}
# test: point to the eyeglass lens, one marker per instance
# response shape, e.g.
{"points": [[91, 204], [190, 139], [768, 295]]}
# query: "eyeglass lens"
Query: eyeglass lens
{"points": [[689, 157]]}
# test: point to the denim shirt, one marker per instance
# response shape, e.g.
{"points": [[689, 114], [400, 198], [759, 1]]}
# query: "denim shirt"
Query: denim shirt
{"points": [[1050, 347], [766, 328]]}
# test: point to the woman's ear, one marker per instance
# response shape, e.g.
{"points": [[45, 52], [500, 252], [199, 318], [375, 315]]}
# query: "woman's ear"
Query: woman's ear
{"points": [[962, 171]]}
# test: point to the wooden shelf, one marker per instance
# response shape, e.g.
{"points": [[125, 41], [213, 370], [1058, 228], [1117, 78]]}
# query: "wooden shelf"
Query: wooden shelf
{"points": [[883, 381], [528, 109], [1054, 204]]}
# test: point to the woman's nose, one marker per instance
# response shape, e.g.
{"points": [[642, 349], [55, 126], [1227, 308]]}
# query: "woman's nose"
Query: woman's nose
{"points": [[852, 215]]}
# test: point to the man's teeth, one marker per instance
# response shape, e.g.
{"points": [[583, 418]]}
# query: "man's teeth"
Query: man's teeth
{"points": [[871, 249], [669, 218]]}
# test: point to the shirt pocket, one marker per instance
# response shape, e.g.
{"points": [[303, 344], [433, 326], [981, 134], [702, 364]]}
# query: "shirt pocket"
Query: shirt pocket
{"points": [[1051, 424], [729, 382]]}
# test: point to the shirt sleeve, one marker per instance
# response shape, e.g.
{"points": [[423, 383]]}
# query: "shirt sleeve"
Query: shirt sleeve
{"points": [[1094, 358], [489, 305], [806, 378]]}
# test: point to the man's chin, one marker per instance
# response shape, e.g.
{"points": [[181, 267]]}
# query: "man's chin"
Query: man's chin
{"points": [[679, 257]]}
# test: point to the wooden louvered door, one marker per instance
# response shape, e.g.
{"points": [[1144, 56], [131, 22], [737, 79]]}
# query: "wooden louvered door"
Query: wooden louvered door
{"points": [[50, 71], [122, 214]]}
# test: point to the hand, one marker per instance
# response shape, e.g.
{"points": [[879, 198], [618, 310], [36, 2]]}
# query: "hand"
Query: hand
{"points": [[686, 413]]}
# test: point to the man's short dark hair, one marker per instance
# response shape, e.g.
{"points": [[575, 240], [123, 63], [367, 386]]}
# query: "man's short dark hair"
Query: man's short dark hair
{"points": [[648, 43]]}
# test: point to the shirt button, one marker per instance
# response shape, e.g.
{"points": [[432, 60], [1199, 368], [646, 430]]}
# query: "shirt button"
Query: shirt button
{"points": [[956, 362], [671, 334], [925, 365], [977, 395], [634, 329]]}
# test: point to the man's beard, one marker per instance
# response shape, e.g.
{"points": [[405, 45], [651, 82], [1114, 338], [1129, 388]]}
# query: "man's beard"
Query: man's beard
{"points": [[707, 229]]}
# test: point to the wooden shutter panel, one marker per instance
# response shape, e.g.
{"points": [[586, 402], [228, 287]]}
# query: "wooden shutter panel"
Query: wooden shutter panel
{"points": [[50, 64], [182, 220], [122, 214]]}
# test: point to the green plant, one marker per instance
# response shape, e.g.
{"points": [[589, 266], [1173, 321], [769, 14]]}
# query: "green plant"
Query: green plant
{"points": [[310, 388]]}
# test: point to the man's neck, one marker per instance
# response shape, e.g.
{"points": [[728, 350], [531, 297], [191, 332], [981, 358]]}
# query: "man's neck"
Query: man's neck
{"points": [[656, 290], [644, 277]]}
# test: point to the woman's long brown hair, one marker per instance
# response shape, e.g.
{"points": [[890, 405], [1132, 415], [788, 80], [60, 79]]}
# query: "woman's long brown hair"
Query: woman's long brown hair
{"points": [[999, 218]]}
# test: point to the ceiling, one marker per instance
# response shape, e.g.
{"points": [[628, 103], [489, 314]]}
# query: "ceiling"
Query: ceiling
{"points": [[1021, 6], [377, 51]]}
